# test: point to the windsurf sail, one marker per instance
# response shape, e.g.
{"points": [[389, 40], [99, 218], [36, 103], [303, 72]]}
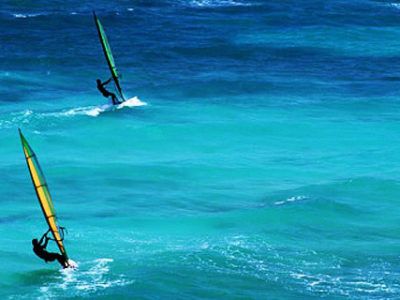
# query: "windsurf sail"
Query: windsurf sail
{"points": [[43, 194], [108, 54]]}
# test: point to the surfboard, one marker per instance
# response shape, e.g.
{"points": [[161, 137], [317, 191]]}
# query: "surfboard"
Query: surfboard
{"points": [[43, 194]]}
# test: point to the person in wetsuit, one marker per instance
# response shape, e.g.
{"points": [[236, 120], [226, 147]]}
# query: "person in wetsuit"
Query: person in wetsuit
{"points": [[105, 93], [39, 248]]}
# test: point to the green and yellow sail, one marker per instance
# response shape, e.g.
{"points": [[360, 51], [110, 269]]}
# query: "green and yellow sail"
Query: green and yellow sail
{"points": [[108, 54], [42, 192]]}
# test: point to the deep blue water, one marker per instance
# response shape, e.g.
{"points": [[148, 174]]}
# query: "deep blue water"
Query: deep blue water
{"points": [[261, 161]]}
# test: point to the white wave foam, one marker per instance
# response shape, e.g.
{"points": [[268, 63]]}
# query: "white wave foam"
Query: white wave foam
{"points": [[15, 119], [69, 278], [93, 276], [24, 117], [19, 16], [97, 110], [217, 3], [27, 113], [325, 283], [97, 273], [395, 5], [88, 111], [24, 16], [132, 102], [291, 199], [101, 267]]}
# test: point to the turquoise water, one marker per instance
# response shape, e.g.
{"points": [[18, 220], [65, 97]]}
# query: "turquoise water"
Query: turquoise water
{"points": [[261, 163]]}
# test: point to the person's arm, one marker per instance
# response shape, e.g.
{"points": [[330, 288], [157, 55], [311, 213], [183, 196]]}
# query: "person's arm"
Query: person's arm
{"points": [[46, 242], [44, 236], [107, 82]]}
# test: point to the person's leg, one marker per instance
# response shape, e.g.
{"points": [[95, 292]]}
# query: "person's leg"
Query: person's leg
{"points": [[58, 257], [114, 99], [61, 260], [50, 257]]}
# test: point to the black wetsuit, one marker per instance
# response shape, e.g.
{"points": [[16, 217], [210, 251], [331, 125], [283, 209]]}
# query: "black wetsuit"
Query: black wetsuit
{"points": [[105, 93], [40, 250]]}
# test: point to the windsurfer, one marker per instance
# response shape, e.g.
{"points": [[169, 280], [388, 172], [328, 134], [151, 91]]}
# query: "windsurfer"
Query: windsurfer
{"points": [[105, 93], [39, 248]]}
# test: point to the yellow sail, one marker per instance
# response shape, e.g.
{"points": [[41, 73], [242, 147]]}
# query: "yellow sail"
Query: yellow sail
{"points": [[42, 192]]}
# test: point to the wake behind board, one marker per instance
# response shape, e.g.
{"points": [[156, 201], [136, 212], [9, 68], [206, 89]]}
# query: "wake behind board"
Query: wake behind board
{"points": [[95, 111]]}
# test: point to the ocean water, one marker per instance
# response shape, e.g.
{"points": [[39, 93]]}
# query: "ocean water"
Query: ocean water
{"points": [[261, 159]]}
